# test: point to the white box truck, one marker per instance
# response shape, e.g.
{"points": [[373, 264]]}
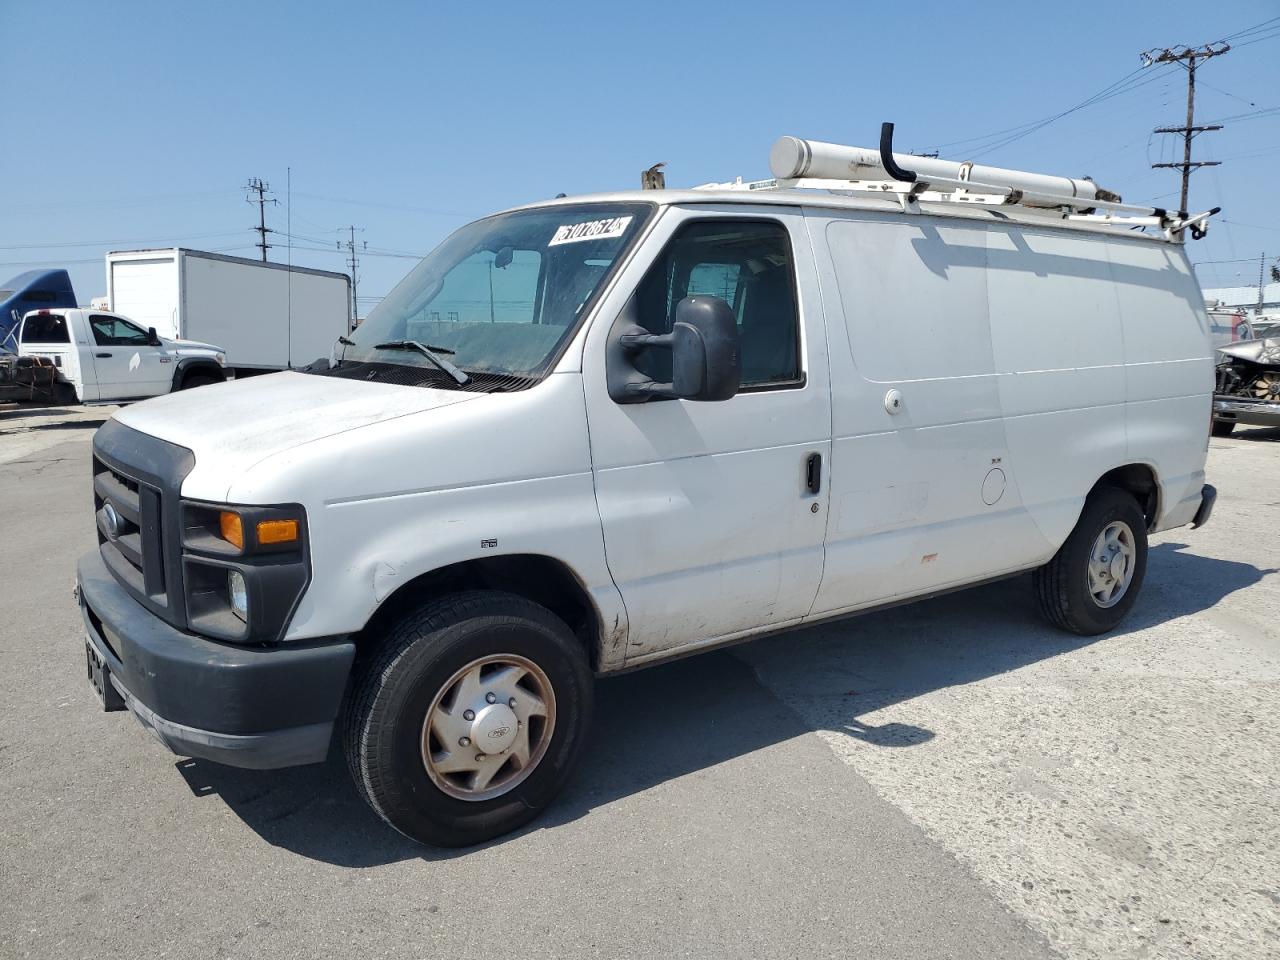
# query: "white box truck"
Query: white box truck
{"points": [[267, 316], [597, 433]]}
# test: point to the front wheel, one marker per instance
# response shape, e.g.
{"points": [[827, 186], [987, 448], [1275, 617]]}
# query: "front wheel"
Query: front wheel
{"points": [[469, 719], [193, 380], [1223, 428], [1093, 580]]}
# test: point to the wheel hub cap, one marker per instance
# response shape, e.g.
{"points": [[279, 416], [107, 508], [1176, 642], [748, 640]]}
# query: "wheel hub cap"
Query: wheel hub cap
{"points": [[1111, 564], [494, 728], [488, 727], [1117, 567]]}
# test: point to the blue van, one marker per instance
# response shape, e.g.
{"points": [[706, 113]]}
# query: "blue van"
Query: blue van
{"points": [[33, 290]]}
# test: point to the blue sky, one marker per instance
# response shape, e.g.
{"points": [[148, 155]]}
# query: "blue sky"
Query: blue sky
{"points": [[131, 124]]}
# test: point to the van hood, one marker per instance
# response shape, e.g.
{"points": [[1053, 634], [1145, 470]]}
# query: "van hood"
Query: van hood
{"points": [[231, 426]]}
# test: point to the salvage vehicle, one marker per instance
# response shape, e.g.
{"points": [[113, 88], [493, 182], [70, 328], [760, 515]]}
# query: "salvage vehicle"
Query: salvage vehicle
{"points": [[32, 290], [103, 357], [597, 433], [1247, 386], [1228, 326]]}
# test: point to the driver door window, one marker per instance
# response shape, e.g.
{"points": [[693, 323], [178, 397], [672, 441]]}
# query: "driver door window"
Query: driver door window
{"points": [[748, 265], [114, 332]]}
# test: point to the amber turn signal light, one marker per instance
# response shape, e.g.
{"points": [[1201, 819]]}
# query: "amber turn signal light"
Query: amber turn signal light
{"points": [[277, 531], [231, 528]]}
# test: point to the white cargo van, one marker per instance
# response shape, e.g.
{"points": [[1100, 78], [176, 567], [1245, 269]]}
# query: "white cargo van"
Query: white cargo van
{"points": [[597, 433]]}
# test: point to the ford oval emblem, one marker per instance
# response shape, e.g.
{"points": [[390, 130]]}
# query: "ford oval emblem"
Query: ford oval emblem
{"points": [[498, 732], [113, 520]]}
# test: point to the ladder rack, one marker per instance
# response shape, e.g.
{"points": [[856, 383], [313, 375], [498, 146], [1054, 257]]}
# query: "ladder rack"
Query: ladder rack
{"points": [[813, 165]]}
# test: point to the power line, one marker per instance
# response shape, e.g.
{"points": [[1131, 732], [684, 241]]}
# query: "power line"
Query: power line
{"points": [[53, 245], [1252, 115], [45, 263], [434, 211], [1256, 28], [1000, 138]]}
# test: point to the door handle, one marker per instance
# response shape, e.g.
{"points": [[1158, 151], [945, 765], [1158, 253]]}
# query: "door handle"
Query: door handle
{"points": [[102, 355], [813, 472]]}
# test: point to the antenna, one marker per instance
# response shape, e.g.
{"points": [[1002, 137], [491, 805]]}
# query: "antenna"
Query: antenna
{"points": [[261, 188], [288, 239]]}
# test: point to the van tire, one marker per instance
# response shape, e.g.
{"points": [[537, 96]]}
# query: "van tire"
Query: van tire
{"points": [[1223, 428], [383, 725], [193, 380], [1062, 584]]}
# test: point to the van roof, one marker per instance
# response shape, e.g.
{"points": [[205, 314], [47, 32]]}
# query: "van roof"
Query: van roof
{"points": [[717, 196]]}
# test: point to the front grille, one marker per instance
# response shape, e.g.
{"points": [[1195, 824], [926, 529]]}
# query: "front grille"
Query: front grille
{"points": [[129, 531], [140, 476]]}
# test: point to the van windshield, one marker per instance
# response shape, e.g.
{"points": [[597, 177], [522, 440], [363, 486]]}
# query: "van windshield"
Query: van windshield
{"points": [[498, 299]]}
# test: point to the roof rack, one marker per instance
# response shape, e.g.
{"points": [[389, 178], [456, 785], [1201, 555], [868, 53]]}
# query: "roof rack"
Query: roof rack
{"points": [[814, 165]]}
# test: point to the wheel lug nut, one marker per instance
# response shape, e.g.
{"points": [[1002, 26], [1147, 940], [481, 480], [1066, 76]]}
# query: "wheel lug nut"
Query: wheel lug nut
{"points": [[479, 757], [490, 698], [511, 702], [464, 742], [468, 714]]}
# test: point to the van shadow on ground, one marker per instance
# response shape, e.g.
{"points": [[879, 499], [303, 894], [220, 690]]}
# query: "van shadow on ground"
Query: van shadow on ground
{"points": [[1256, 434], [672, 720]]}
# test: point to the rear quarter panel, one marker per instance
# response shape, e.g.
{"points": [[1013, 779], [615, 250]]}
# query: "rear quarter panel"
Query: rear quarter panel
{"points": [[1168, 369]]}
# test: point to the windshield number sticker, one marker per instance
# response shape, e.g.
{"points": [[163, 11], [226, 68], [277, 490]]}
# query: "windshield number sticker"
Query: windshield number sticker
{"points": [[591, 230]]}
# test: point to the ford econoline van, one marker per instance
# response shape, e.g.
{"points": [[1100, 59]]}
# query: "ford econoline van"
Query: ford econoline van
{"points": [[597, 433]]}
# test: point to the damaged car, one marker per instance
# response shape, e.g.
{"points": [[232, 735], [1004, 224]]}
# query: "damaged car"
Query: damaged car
{"points": [[1248, 385]]}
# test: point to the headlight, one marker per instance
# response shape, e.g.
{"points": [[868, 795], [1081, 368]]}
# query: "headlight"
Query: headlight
{"points": [[244, 568], [238, 595]]}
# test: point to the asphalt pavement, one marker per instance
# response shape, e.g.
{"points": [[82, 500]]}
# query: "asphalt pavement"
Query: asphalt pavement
{"points": [[949, 779]]}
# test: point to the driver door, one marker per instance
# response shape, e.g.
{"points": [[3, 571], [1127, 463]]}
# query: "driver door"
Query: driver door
{"points": [[714, 513], [128, 366]]}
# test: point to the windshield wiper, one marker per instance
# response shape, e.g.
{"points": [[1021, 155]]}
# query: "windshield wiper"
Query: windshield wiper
{"points": [[431, 353]]}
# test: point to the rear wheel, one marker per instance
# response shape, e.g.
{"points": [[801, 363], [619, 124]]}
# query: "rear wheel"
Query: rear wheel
{"points": [[468, 721], [1223, 428], [1093, 580]]}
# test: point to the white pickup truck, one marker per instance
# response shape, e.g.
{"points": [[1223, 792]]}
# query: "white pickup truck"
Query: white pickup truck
{"points": [[103, 357]]}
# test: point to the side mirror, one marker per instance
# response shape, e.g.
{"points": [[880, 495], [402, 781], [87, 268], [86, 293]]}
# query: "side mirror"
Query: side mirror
{"points": [[153, 338], [706, 362]]}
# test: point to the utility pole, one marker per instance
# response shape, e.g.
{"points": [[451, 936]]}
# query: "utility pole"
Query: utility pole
{"points": [[354, 263], [257, 186], [1262, 261], [1187, 57]]}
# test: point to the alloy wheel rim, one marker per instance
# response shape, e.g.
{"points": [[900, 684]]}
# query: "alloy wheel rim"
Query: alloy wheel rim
{"points": [[1111, 564], [488, 727]]}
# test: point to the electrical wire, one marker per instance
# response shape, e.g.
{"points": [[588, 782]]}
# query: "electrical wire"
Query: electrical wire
{"points": [[59, 245], [1024, 129]]}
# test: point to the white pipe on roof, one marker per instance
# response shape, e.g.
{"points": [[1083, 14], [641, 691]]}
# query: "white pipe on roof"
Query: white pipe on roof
{"points": [[792, 157]]}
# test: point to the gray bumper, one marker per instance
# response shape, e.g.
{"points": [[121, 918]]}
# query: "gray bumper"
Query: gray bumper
{"points": [[256, 707], [291, 747], [1256, 413]]}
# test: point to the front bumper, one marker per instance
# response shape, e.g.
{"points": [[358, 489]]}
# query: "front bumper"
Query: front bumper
{"points": [[1256, 413], [257, 707]]}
